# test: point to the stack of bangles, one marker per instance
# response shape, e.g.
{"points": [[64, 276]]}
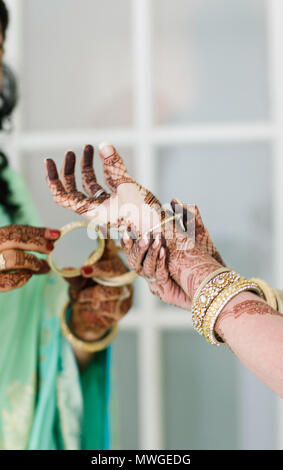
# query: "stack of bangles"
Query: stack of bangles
{"points": [[217, 290], [118, 281]]}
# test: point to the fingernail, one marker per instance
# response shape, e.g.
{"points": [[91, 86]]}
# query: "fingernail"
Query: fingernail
{"points": [[126, 237], [51, 169], [88, 155], [177, 201], [106, 149], [49, 246], [87, 270], [162, 252], [54, 234], [156, 241], [70, 163]]}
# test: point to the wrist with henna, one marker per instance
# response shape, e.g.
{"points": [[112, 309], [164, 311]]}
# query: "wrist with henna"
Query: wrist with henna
{"points": [[245, 305], [189, 264]]}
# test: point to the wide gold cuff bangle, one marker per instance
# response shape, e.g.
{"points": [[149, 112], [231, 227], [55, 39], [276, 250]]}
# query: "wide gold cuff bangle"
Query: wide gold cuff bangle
{"points": [[268, 292], [219, 303], [208, 290], [81, 345]]}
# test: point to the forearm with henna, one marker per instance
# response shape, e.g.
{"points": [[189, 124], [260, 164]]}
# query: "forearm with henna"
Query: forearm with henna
{"points": [[254, 332]]}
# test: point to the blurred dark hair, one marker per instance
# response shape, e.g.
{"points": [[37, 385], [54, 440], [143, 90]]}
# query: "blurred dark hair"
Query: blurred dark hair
{"points": [[8, 101]]}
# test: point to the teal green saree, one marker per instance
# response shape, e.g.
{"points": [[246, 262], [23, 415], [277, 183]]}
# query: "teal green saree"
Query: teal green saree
{"points": [[45, 402]]}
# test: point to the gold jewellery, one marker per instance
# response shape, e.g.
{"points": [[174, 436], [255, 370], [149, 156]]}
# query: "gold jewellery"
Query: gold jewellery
{"points": [[214, 293], [268, 292], [219, 303], [94, 257], [117, 281], [209, 289], [83, 345]]}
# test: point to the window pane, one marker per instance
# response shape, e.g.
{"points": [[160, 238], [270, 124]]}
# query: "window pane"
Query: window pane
{"points": [[125, 389], [77, 64], [232, 186], [203, 408], [210, 59]]}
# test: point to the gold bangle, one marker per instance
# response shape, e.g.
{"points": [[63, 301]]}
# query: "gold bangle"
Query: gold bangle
{"points": [[268, 293], [117, 281], [209, 289], [219, 303], [279, 299], [94, 257], [161, 224], [79, 344]]}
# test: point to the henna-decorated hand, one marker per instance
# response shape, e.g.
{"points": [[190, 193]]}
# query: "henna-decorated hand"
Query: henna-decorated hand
{"points": [[95, 308], [202, 237], [131, 207], [149, 259], [15, 241]]}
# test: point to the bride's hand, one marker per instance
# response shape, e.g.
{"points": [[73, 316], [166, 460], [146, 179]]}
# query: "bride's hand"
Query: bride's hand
{"points": [[130, 207], [150, 260]]}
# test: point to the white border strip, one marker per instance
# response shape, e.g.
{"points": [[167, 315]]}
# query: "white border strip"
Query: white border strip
{"points": [[275, 24]]}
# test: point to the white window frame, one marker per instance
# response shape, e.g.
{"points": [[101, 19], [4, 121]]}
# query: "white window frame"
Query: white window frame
{"points": [[144, 136]]}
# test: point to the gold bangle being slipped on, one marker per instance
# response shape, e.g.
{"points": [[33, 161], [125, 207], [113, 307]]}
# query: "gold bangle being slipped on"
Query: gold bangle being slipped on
{"points": [[86, 346], [117, 281]]}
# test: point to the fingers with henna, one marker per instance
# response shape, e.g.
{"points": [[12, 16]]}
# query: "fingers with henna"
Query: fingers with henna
{"points": [[11, 281], [115, 169], [73, 200], [150, 260], [161, 273], [20, 260], [25, 237], [127, 242], [100, 293], [90, 185], [68, 172], [137, 254]]}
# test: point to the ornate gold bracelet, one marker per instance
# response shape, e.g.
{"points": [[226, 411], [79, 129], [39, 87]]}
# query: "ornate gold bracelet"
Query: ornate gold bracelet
{"points": [[209, 289], [219, 303]]}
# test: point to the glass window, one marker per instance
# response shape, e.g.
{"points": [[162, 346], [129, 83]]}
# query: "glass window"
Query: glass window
{"points": [[77, 64], [210, 60]]}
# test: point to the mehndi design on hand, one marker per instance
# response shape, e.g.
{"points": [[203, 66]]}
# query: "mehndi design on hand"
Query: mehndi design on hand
{"points": [[96, 308], [138, 212], [15, 240], [121, 209]]}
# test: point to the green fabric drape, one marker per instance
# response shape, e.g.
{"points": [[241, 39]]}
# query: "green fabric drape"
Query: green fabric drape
{"points": [[45, 403]]}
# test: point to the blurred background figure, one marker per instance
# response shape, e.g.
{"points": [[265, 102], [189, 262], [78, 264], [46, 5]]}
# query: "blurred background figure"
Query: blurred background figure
{"points": [[189, 92]]}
